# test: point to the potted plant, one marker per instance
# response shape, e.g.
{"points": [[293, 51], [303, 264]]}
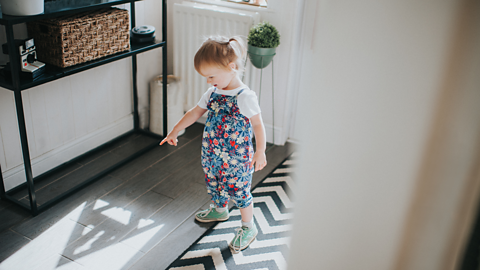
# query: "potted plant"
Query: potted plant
{"points": [[263, 39]]}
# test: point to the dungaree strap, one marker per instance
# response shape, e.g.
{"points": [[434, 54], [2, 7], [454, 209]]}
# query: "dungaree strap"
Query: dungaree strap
{"points": [[239, 92], [214, 89]]}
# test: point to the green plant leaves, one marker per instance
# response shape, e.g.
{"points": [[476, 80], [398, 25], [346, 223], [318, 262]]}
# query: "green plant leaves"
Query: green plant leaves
{"points": [[264, 35]]}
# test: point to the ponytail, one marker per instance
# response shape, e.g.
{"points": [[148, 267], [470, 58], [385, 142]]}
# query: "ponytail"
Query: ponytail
{"points": [[221, 51], [238, 45]]}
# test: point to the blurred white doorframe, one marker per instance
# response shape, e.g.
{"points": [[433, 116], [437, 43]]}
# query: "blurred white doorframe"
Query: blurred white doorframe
{"points": [[390, 129]]}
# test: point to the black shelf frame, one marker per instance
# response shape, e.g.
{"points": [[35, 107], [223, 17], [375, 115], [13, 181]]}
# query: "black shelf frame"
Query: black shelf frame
{"points": [[17, 85], [53, 73], [56, 10]]}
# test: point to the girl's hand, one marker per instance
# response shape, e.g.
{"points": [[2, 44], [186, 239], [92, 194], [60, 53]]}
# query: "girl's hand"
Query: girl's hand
{"points": [[170, 139], [260, 160]]}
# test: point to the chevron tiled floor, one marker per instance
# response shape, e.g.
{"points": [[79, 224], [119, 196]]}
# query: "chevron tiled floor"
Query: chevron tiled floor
{"points": [[137, 217], [273, 213]]}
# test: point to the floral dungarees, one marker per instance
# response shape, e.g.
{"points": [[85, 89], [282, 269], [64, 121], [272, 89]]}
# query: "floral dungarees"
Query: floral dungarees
{"points": [[227, 152]]}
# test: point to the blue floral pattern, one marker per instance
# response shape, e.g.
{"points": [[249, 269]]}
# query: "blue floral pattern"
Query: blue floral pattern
{"points": [[227, 152]]}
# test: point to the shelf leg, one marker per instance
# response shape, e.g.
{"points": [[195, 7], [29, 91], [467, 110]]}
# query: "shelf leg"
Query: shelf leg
{"points": [[164, 68], [136, 118], [26, 153], [2, 186], [13, 57], [15, 69], [132, 14]]}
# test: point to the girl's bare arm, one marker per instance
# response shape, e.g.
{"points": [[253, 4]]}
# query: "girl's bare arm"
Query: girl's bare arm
{"points": [[189, 118], [259, 158]]}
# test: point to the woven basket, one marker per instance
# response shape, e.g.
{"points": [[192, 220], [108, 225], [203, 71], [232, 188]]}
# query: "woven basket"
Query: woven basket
{"points": [[71, 40]]}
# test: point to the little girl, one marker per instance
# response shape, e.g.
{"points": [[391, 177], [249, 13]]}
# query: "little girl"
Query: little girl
{"points": [[228, 157]]}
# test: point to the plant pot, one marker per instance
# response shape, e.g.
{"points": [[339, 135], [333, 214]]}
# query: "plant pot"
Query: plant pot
{"points": [[22, 7], [260, 57]]}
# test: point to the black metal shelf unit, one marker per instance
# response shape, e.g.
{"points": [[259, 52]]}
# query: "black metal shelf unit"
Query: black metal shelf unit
{"points": [[16, 84]]}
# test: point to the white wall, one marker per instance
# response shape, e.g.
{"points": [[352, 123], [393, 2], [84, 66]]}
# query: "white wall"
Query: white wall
{"points": [[72, 115], [388, 175]]}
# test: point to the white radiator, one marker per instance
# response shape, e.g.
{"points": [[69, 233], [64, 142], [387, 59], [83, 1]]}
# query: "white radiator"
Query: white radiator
{"points": [[193, 23]]}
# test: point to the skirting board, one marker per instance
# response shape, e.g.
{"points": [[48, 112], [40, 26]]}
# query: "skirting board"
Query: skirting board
{"points": [[16, 176]]}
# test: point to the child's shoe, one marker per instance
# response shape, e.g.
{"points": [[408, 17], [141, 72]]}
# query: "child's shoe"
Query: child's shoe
{"points": [[211, 214], [243, 238]]}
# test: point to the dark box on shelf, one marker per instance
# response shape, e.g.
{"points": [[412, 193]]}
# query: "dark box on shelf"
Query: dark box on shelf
{"points": [[75, 39]]}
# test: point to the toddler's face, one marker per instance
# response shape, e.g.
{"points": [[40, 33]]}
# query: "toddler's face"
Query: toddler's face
{"points": [[218, 77]]}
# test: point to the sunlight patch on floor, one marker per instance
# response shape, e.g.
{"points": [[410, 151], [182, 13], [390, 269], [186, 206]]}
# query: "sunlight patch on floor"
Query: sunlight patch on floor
{"points": [[118, 214], [49, 250], [88, 245], [100, 204], [113, 257], [86, 230], [44, 249], [118, 255], [142, 223]]}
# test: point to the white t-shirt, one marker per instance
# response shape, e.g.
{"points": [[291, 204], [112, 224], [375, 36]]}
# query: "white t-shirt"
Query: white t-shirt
{"points": [[247, 101]]}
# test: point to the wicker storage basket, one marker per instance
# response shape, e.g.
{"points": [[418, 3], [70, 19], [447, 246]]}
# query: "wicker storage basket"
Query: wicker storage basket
{"points": [[71, 40]]}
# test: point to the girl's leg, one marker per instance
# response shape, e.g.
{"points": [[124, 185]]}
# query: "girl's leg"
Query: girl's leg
{"points": [[245, 198], [247, 233], [247, 213], [218, 210]]}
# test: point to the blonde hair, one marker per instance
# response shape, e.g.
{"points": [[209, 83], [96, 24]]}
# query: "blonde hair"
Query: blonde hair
{"points": [[221, 51]]}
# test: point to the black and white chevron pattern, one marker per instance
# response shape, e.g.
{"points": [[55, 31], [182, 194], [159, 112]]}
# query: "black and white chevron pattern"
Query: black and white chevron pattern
{"points": [[273, 209]]}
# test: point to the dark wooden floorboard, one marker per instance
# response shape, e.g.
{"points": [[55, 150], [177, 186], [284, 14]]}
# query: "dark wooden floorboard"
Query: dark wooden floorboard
{"points": [[140, 216], [69, 172], [67, 182], [147, 160], [10, 216], [177, 183], [94, 154], [11, 242], [4, 204]]}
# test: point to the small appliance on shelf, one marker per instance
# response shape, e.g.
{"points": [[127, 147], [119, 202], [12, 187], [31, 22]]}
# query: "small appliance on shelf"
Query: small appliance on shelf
{"points": [[143, 34], [29, 66]]}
